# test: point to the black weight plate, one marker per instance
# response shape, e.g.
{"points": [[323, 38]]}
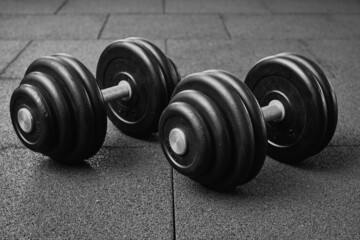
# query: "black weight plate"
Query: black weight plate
{"points": [[317, 139], [184, 116], [238, 123], [130, 61], [171, 78], [77, 101], [329, 93], [257, 120], [41, 137], [61, 139], [174, 72], [294, 138], [96, 99], [217, 162]]}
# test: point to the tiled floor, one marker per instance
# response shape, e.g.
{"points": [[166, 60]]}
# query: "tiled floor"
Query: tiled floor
{"points": [[128, 190]]}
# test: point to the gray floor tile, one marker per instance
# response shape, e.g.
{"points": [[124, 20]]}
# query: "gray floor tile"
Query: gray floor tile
{"points": [[113, 6], [8, 51], [32, 7], [50, 27], [310, 6], [165, 26], [120, 194], [301, 26], [214, 6], [318, 199]]}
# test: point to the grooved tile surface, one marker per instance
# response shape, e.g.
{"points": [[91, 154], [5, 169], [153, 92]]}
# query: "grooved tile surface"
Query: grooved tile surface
{"points": [[215, 6], [112, 6], [50, 27], [299, 26], [165, 26], [29, 7], [119, 194], [8, 51], [318, 199]]}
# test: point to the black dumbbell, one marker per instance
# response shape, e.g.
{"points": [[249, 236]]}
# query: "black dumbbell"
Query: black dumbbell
{"points": [[217, 129], [59, 110]]}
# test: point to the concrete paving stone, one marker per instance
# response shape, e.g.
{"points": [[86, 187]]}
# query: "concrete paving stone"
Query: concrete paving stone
{"points": [[50, 27], [120, 194], [29, 7], [165, 26], [316, 200], [300, 26], [342, 58], [214, 6], [311, 6], [113, 6], [8, 51]]}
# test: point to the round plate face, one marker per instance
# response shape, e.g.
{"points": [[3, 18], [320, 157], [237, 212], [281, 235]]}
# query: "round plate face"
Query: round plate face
{"points": [[297, 136], [130, 61], [328, 92]]}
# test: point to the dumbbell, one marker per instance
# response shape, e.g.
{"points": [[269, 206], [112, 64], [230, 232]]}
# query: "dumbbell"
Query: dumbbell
{"points": [[60, 110], [217, 130]]}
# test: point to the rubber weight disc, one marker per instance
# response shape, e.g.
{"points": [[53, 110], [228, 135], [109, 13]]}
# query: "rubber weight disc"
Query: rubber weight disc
{"points": [[234, 118], [168, 68], [63, 118], [257, 120], [133, 62], [297, 136], [329, 95]]}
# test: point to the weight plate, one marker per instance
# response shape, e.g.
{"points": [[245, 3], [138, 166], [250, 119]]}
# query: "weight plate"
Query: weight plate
{"points": [[77, 102], [182, 116], [132, 62], [294, 138], [218, 151], [167, 66], [237, 120], [41, 136], [257, 120], [98, 106], [329, 94]]}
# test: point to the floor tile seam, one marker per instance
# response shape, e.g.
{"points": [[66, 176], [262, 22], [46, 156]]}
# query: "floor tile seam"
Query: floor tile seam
{"points": [[16, 57], [226, 29], [61, 7], [103, 27], [263, 3]]}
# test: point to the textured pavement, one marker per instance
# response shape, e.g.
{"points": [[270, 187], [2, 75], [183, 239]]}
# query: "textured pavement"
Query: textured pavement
{"points": [[128, 190]]}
